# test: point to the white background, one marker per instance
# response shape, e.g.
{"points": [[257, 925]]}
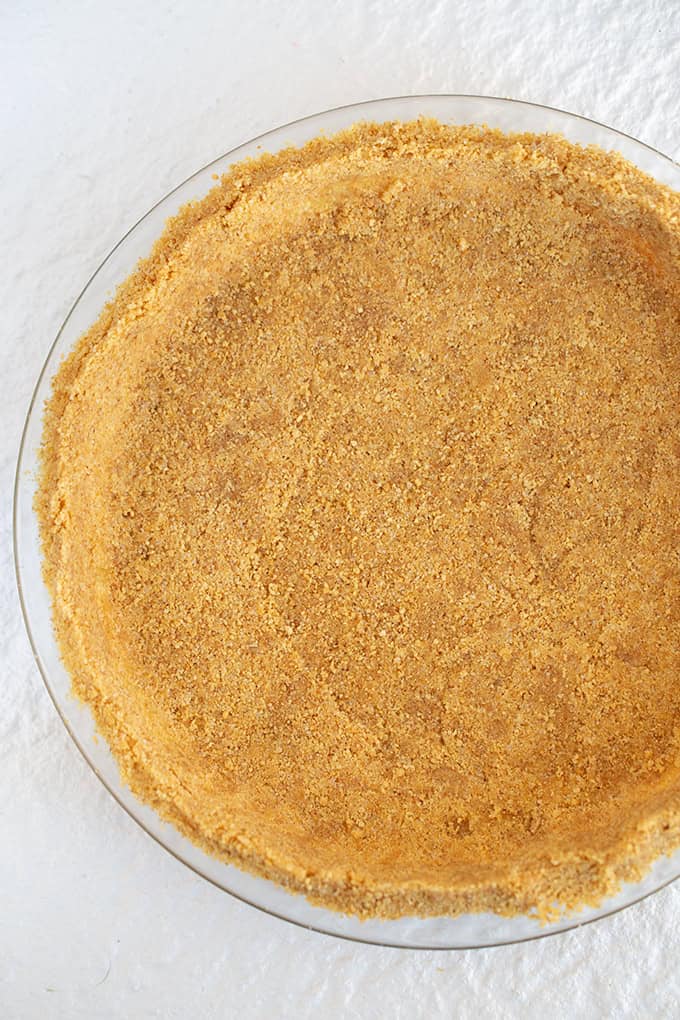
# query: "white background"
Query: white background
{"points": [[103, 108]]}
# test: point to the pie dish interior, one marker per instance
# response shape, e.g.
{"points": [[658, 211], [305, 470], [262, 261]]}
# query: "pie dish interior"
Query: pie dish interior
{"points": [[359, 512]]}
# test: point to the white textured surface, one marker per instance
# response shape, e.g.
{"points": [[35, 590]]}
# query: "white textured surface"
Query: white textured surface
{"points": [[104, 107]]}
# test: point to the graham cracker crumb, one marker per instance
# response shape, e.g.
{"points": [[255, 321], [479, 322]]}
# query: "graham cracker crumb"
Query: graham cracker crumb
{"points": [[359, 508]]}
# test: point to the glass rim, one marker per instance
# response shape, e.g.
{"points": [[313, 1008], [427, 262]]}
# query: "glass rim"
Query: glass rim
{"points": [[33, 409]]}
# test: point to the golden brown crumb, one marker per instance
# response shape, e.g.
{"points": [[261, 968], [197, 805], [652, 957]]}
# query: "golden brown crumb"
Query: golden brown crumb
{"points": [[359, 507]]}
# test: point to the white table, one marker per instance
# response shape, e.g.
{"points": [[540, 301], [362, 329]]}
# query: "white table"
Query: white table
{"points": [[103, 108]]}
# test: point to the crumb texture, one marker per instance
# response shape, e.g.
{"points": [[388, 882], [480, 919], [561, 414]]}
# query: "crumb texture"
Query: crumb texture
{"points": [[359, 507]]}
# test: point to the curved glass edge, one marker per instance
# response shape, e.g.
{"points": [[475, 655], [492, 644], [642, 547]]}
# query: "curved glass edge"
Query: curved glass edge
{"points": [[465, 932]]}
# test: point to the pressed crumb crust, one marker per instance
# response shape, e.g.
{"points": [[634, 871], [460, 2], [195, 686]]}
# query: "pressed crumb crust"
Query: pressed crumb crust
{"points": [[359, 508]]}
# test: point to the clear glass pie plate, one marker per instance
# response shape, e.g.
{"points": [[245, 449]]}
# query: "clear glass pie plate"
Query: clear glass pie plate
{"points": [[433, 933]]}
